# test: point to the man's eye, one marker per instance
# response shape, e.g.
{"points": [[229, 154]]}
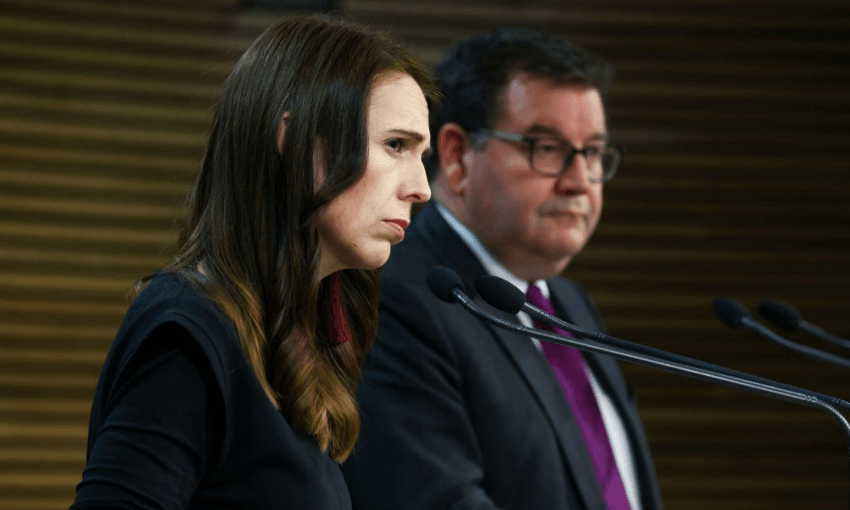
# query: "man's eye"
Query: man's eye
{"points": [[593, 151], [548, 146]]}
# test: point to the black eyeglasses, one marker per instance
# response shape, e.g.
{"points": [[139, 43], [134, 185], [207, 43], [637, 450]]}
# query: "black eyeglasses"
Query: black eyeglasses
{"points": [[551, 157]]}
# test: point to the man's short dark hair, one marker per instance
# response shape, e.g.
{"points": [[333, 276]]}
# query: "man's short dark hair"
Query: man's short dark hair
{"points": [[474, 71]]}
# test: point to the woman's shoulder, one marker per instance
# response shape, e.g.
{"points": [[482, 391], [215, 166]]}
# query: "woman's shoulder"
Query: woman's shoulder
{"points": [[169, 298], [170, 303], [169, 293]]}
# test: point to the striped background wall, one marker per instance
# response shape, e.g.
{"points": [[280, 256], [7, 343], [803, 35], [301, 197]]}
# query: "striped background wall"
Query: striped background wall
{"points": [[735, 113]]}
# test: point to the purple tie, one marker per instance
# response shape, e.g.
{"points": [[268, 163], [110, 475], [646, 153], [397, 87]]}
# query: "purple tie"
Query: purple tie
{"points": [[568, 366]]}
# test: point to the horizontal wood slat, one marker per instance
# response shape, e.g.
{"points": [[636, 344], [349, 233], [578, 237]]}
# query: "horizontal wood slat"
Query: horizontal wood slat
{"points": [[736, 115], [104, 108]]}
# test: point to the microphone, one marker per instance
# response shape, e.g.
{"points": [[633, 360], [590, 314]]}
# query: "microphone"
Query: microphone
{"points": [[504, 296], [781, 314], [735, 315], [443, 282], [788, 318], [447, 286]]}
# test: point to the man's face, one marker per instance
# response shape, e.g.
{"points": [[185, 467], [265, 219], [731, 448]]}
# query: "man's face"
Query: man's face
{"points": [[531, 223]]}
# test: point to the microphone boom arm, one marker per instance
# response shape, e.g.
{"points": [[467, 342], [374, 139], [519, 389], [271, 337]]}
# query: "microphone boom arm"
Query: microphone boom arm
{"points": [[805, 350], [817, 332], [728, 380], [650, 351]]}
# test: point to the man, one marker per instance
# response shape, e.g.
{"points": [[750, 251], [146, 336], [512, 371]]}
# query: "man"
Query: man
{"points": [[457, 414]]}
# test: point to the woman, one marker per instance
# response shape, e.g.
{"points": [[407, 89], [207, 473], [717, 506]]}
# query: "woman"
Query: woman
{"points": [[231, 381]]}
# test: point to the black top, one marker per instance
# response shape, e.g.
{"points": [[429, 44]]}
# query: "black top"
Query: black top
{"points": [[179, 419]]}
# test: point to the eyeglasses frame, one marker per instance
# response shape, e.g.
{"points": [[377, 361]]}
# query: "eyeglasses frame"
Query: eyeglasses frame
{"points": [[481, 137]]}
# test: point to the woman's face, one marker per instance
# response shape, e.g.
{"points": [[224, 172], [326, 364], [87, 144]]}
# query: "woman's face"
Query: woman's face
{"points": [[357, 228]]}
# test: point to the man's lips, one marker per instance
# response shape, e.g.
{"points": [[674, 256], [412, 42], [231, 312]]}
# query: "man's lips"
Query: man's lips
{"points": [[567, 208], [565, 212]]}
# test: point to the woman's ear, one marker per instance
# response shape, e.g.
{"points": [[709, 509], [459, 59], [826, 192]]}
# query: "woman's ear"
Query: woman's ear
{"points": [[451, 145], [281, 131]]}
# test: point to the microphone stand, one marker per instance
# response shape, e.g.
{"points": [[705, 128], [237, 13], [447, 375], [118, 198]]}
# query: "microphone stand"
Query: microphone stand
{"points": [[817, 332], [507, 298], [735, 315], [675, 367], [788, 318], [650, 351], [805, 350]]}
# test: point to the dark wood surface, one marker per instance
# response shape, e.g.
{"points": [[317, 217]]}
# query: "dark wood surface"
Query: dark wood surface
{"points": [[735, 115]]}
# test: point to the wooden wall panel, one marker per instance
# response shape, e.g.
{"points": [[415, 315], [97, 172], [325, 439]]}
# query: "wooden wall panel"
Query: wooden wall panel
{"points": [[735, 114], [103, 110]]}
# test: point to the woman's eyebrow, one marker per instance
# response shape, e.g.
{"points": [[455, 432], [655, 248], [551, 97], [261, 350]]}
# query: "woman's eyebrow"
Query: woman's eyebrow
{"points": [[416, 135]]}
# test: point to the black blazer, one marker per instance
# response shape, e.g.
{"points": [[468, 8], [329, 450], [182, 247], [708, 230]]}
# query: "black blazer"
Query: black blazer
{"points": [[457, 414]]}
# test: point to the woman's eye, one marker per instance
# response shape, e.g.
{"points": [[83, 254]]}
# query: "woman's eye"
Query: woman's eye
{"points": [[396, 145]]}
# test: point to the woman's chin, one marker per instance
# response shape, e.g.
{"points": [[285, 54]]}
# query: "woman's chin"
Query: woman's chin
{"points": [[373, 259]]}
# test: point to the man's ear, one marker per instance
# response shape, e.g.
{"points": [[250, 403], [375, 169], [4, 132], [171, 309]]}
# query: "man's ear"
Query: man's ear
{"points": [[280, 136], [452, 144]]}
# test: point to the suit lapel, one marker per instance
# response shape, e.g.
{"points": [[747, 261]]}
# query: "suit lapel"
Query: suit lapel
{"points": [[549, 395], [453, 251], [521, 350]]}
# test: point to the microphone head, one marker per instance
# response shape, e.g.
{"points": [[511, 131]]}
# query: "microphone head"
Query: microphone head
{"points": [[500, 293], [442, 281], [731, 312], [782, 314]]}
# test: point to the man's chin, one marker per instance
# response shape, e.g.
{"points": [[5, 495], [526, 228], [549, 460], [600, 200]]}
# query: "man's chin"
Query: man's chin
{"points": [[551, 260], [562, 247]]}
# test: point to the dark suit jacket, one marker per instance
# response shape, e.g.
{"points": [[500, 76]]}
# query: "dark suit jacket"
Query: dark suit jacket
{"points": [[458, 414]]}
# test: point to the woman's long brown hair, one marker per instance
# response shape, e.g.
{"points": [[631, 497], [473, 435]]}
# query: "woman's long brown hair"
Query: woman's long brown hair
{"points": [[250, 221]]}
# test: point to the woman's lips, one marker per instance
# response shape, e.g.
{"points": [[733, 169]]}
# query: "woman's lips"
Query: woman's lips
{"points": [[401, 223], [398, 225]]}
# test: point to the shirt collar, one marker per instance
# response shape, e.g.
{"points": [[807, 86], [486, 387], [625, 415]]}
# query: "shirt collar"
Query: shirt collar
{"points": [[491, 265]]}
